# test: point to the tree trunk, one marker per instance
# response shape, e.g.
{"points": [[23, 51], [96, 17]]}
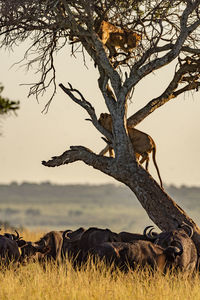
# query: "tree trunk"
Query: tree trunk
{"points": [[161, 209]]}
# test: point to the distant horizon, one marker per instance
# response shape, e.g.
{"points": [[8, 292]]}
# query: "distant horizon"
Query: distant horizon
{"points": [[87, 183]]}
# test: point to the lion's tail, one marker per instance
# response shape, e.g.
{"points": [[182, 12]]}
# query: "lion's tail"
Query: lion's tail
{"points": [[156, 166]]}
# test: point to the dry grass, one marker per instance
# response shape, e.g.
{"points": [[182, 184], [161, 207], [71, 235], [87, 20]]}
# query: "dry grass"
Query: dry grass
{"points": [[63, 283], [32, 282]]}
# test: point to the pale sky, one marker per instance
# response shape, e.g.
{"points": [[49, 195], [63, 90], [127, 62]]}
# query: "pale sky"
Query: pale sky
{"points": [[32, 136]]}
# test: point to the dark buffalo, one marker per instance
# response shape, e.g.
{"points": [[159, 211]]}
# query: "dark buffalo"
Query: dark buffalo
{"points": [[128, 237], [89, 239], [49, 247], [27, 249], [96, 236], [71, 242], [9, 250], [73, 235], [52, 245], [138, 254], [30, 251], [182, 235]]}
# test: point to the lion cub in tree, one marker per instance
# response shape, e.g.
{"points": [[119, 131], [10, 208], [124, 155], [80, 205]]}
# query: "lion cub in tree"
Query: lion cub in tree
{"points": [[143, 144], [114, 37]]}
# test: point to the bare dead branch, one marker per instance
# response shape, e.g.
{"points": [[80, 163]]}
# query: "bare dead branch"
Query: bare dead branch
{"points": [[87, 106]]}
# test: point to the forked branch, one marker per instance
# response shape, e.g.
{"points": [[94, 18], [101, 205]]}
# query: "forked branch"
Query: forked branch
{"points": [[87, 106]]}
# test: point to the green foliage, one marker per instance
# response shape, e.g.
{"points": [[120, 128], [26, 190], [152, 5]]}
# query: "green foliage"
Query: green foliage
{"points": [[7, 105]]}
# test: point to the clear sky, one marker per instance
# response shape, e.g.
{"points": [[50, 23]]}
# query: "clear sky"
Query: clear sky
{"points": [[33, 136]]}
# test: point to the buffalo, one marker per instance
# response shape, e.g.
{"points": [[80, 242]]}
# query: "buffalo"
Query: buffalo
{"points": [[30, 251], [96, 236], [51, 245], [27, 249], [9, 251], [139, 253], [128, 237], [182, 235], [71, 240], [49, 248], [79, 247]]}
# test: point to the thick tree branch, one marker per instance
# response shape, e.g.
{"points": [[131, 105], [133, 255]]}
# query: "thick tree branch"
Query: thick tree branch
{"points": [[80, 153]]}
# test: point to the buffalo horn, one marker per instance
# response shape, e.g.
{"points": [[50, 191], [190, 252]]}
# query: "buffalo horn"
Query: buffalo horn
{"points": [[39, 245], [17, 234], [149, 234], [189, 229], [44, 243], [178, 246], [65, 234]]}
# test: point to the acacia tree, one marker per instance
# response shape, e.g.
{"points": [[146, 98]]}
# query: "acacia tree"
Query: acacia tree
{"points": [[169, 32]]}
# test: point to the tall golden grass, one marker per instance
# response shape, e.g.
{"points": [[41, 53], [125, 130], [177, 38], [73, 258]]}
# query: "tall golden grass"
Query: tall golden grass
{"points": [[93, 282]]}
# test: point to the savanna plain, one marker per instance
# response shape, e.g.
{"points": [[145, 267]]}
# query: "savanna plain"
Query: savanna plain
{"points": [[28, 207]]}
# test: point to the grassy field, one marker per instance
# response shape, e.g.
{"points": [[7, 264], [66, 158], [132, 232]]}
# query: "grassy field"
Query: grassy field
{"points": [[63, 283], [32, 282]]}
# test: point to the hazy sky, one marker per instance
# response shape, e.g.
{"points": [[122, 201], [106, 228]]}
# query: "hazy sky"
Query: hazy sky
{"points": [[32, 136]]}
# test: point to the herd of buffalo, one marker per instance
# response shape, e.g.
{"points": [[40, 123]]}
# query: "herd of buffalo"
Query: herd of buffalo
{"points": [[125, 250]]}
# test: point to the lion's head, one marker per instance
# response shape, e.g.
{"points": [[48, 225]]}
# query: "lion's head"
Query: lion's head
{"points": [[106, 121]]}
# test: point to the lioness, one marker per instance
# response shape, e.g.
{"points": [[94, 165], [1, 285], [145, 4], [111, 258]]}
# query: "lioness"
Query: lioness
{"points": [[114, 37], [143, 144]]}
